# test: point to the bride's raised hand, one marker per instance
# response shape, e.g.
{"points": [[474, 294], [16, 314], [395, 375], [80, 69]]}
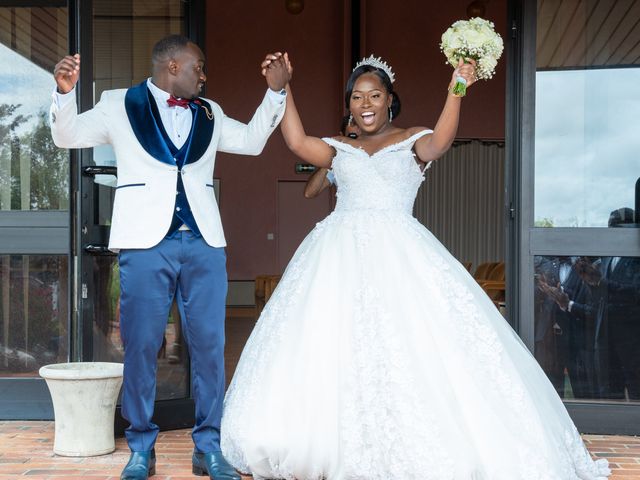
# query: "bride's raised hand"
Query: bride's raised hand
{"points": [[288, 64], [466, 69]]}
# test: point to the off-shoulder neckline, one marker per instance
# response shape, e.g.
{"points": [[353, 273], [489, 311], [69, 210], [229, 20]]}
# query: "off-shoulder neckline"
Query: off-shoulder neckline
{"points": [[416, 135]]}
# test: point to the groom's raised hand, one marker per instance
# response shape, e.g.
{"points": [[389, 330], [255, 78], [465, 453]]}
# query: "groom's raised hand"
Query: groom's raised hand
{"points": [[66, 73], [276, 71]]}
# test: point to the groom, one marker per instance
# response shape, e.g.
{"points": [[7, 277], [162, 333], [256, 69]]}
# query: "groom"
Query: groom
{"points": [[166, 227]]}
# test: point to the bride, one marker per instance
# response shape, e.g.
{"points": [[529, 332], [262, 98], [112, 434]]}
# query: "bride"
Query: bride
{"points": [[378, 356]]}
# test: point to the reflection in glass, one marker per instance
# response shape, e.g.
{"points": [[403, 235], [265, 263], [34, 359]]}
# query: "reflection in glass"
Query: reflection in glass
{"points": [[33, 171], [124, 35], [34, 312], [587, 325], [586, 137], [173, 363], [586, 146]]}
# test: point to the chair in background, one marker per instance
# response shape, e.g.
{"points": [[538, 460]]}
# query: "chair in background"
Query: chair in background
{"points": [[270, 286], [483, 270], [493, 282], [264, 287], [259, 293]]}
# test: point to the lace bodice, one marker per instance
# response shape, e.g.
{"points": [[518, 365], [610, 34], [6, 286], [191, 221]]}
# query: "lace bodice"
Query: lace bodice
{"points": [[387, 180]]}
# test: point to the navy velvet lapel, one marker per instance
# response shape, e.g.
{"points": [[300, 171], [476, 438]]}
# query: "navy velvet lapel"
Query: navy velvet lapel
{"points": [[144, 125], [148, 129], [201, 132]]}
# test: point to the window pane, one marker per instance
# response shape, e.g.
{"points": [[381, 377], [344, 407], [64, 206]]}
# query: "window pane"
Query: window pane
{"points": [[34, 173], [586, 141], [587, 326], [34, 311]]}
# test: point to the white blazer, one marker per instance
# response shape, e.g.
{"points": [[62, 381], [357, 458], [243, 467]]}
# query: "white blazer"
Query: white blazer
{"points": [[146, 190]]}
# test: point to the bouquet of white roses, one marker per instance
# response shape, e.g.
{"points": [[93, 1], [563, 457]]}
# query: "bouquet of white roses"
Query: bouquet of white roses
{"points": [[476, 39]]}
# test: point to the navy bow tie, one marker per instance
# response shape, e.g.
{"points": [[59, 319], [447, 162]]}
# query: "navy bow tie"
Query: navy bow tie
{"points": [[181, 102]]}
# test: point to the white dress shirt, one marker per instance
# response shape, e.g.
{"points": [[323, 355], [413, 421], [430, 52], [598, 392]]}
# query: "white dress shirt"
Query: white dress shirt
{"points": [[176, 120]]}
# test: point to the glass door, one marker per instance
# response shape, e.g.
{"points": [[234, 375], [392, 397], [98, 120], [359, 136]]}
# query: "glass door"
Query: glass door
{"points": [[577, 174], [34, 210], [119, 53]]}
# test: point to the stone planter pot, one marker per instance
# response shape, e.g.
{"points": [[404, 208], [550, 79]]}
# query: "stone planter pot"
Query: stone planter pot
{"points": [[84, 403]]}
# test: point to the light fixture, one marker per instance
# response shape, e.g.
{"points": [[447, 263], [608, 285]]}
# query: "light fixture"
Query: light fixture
{"points": [[477, 8], [294, 6]]}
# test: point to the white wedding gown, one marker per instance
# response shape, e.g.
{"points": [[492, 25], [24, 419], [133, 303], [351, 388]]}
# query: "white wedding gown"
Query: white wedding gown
{"points": [[379, 357]]}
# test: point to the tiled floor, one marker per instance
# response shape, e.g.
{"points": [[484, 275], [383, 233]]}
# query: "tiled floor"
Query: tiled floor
{"points": [[26, 450]]}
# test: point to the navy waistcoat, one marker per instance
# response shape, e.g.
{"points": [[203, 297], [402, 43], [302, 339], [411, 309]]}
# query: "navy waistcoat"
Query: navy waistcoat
{"points": [[182, 212]]}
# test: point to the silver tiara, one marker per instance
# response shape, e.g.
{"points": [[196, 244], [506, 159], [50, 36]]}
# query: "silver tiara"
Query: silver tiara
{"points": [[377, 62]]}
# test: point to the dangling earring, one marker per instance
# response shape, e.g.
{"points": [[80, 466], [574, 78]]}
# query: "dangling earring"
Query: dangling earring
{"points": [[390, 115], [350, 119]]}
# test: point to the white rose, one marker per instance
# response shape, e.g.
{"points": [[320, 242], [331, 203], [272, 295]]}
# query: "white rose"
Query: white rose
{"points": [[456, 42], [487, 35], [473, 38], [446, 37]]}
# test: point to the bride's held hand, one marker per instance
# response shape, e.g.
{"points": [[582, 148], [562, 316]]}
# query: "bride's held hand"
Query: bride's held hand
{"points": [[268, 59], [288, 64], [277, 69], [466, 69]]}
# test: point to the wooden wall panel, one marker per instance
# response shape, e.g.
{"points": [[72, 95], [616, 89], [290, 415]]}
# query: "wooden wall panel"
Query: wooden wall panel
{"points": [[408, 37], [239, 34]]}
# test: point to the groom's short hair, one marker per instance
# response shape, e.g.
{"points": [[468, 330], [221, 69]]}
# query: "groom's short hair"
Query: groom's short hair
{"points": [[167, 47]]}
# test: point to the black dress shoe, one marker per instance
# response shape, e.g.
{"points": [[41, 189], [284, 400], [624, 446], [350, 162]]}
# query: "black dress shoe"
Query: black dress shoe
{"points": [[141, 466], [214, 465]]}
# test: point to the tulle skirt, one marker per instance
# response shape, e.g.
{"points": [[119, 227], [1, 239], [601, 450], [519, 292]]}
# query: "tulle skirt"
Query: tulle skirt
{"points": [[379, 357]]}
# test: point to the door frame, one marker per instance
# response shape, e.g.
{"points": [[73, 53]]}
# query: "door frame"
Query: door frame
{"points": [[37, 233], [70, 232], [526, 241]]}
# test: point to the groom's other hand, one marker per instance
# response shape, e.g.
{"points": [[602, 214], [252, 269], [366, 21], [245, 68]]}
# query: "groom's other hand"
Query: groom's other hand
{"points": [[66, 73], [274, 68]]}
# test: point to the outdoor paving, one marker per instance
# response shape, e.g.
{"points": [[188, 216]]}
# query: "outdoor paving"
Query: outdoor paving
{"points": [[26, 449]]}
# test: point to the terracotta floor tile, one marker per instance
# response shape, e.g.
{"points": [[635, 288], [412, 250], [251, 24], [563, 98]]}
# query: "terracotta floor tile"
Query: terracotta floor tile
{"points": [[26, 450]]}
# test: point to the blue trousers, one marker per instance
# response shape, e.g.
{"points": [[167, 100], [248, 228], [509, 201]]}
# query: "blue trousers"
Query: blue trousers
{"points": [[185, 267]]}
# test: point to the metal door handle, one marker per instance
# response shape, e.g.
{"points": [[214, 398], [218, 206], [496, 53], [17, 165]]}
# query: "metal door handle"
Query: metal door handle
{"points": [[94, 170], [98, 250]]}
